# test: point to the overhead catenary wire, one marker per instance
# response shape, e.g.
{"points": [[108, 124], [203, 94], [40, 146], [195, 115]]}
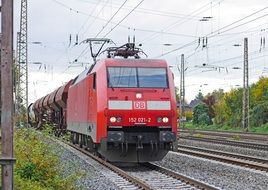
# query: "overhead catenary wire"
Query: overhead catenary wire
{"points": [[229, 59], [149, 11], [111, 18], [89, 16], [95, 18], [199, 10], [123, 18], [231, 64], [215, 33], [86, 49], [221, 34], [230, 35], [121, 25]]}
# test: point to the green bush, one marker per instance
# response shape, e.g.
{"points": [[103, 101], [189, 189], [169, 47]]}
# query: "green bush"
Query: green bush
{"points": [[38, 166]]}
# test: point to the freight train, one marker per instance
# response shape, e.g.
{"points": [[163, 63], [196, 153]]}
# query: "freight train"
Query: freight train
{"points": [[123, 109]]}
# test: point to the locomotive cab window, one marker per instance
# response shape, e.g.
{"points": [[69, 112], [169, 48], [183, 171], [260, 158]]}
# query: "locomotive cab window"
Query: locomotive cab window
{"points": [[137, 77], [152, 78]]}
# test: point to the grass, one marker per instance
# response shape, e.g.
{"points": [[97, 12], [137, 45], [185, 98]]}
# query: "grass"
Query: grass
{"points": [[38, 165], [262, 129]]}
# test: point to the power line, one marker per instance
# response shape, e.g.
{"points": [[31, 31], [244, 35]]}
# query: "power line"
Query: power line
{"points": [[152, 12], [242, 19], [124, 26], [96, 17], [111, 18], [241, 24], [89, 16], [86, 49], [232, 64], [216, 32], [124, 18], [180, 23], [193, 52]]}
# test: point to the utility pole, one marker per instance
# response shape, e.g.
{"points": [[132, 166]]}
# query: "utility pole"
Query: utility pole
{"points": [[7, 109], [245, 119], [22, 67], [182, 91]]}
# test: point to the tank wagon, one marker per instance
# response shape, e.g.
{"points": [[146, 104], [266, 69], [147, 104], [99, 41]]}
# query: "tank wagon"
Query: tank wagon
{"points": [[122, 109]]}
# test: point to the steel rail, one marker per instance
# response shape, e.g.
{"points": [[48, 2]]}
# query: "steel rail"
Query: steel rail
{"points": [[140, 184], [187, 180], [237, 159], [230, 132], [240, 156], [243, 135], [251, 145]]}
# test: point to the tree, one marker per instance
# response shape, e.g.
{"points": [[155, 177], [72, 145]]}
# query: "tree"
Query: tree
{"points": [[259, 91], [201, 115], [210, 101], [221, 116], [188, 115], [233, 107], [199, 96], [177, 94], [259, 115]]}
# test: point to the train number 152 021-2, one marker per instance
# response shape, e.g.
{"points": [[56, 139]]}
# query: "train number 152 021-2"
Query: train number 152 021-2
{"points": [[139, 120]]}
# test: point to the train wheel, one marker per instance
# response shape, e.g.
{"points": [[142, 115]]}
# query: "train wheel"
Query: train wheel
{"points": [[76, 138], [73, 137], [81, 141], [90, 145]]}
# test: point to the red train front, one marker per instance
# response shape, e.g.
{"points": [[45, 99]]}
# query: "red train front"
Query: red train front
{"points": [[125, 109]]}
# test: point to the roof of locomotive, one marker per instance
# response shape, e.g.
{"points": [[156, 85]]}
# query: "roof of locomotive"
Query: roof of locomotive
{"points": [[135, 62], [120, 62]]}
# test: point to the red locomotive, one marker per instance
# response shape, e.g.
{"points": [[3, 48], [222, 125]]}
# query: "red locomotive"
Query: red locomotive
{"points": [[123, 109]]}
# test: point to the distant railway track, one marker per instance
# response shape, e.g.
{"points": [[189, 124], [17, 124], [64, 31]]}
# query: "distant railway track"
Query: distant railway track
{"points": [[226, 134], [236, 159], [167, 178], [251, 145]]}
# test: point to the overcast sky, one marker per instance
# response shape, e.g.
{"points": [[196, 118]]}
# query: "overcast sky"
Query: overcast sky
{"points": [[166, 29]]}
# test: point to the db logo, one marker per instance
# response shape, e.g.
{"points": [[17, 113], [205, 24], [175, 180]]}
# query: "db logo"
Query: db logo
{"points": [[141, 105]]}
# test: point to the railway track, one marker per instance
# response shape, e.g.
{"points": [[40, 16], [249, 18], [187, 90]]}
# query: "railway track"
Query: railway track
{"points": [[236, 159], [147, 176], [225, 134], [124, 180], [160, 178], [257, 146]]}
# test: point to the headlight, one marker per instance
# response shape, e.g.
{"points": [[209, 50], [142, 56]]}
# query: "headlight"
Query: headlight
{"points": [[112, 119], [115, 119], [165, 119]]}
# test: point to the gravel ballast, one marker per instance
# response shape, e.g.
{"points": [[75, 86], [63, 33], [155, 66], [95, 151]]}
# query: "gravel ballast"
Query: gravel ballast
{"points": [[92, 175], [225, 148], [221, 175]]}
